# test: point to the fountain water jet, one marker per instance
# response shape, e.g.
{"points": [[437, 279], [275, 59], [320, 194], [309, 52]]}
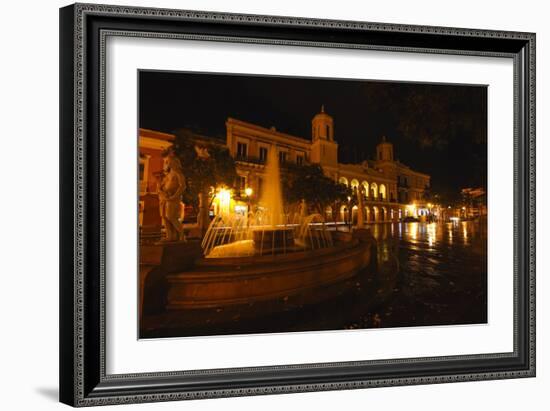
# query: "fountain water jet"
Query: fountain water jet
{"points": [[272, 196]]}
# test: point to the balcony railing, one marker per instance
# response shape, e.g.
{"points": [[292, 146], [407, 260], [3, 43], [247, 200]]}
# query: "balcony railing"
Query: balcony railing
{"points": [[379, 199], [258, 160], [249, 159]]}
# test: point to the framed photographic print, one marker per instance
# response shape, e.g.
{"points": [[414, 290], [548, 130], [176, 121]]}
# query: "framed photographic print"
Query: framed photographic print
{"points": [[260, 204]]}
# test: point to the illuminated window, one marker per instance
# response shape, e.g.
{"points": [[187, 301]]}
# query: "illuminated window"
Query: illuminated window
{"points": [[365, 185], [354, 184], [374, 190]]}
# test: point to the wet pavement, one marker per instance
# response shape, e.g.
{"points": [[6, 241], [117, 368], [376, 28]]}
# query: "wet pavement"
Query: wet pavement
{"points": [[428, 274], [442, 274]]}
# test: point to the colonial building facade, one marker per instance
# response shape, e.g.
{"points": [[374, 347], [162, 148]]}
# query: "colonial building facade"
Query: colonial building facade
{"points": [[390, 190]]}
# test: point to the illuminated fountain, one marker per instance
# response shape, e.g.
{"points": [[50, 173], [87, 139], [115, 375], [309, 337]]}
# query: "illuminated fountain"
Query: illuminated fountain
{"points": [[268, 230], [268, 255]]}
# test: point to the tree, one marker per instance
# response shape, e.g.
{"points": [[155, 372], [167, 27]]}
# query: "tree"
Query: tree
{"points": [[206, 165], [309, 183]]}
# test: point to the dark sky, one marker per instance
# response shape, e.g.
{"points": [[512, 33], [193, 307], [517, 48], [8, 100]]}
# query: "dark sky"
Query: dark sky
{"points": [[438, 129]]}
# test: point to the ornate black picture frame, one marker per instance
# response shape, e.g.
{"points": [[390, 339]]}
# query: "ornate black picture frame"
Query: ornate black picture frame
{"points": [[83, 30]]}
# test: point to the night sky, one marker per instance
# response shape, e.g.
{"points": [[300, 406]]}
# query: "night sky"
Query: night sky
{"points": [[438, 129]]}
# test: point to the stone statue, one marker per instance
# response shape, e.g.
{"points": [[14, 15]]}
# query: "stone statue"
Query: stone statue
{"points": [[170, 190]]}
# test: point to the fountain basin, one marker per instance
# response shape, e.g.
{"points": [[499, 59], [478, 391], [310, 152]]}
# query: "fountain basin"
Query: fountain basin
{"points": [[219, 282]]}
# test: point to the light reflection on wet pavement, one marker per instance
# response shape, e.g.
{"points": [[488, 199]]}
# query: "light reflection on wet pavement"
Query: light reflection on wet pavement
{"points": [[442, 274]]}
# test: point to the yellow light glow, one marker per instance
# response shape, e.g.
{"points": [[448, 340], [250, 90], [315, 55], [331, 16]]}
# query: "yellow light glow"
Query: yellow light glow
{"points": [[248, 191], [431, 234], [224, 197], [429, 205], [414, 231]]}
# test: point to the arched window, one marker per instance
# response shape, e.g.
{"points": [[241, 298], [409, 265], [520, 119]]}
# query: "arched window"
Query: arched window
{"points": [[374, 190], [343, 180], [344, 214], [365, 188], [354, 211], [354, 184], [382, 191], [376, 214]]}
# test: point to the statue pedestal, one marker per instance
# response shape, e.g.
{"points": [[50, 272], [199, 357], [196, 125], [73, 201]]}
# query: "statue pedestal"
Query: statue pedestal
{"points": [[158, 260], [151, 224]]}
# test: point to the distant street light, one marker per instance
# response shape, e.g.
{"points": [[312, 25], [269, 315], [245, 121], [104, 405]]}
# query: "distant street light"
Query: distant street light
{"points": [[248, 191]]}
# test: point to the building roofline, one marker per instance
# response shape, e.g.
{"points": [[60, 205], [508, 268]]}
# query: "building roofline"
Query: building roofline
{"points": [[145, 132], [234, 121], [366, 173], [199, 138]]}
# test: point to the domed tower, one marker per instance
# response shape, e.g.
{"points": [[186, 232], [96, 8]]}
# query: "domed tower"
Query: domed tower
{"points": [[322, 126], [324, 150], [384, 150]]}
